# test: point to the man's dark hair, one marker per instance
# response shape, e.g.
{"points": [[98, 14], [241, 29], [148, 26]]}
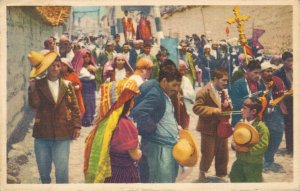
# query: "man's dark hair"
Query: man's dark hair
{"points": [[116, 35], [147, 44], [253, 65], [255, 104], [169, 71], [162, 52], [126, 43], [219, 72], [286, 55]]}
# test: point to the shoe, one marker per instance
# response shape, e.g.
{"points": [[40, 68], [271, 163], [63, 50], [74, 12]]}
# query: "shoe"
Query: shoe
{"points": [[202, 178], [221, 175], [267, 165]]}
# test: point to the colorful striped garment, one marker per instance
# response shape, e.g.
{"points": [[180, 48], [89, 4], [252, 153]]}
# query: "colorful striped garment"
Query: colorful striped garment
{"points": [[97, 166]]}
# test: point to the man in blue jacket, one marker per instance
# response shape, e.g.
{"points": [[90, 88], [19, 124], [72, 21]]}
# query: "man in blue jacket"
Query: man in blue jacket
{"points": [[247, 86], [154, 115]]}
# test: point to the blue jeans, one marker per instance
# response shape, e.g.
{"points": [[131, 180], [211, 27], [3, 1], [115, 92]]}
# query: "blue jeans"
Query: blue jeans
{"points": [[275, 123], [275, 140], [47, 151]]}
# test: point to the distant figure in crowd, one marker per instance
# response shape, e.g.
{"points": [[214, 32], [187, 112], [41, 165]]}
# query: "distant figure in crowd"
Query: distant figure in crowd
{"points": [[144, 29], [128, 28], [146, 54], [65, 48], [188, 59], [186, 85], [134, 52], [208, 64], [286, 74], [240, 70], [49, 45], [68, 74], [276, 61], [87, 78], [118, 69], [126, 51], [142, 71], [118, 47]]}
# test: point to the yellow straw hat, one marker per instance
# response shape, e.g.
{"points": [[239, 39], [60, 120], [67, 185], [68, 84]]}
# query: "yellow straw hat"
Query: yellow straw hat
{"points": [[40, 62], [186, 151], [245, 134]]}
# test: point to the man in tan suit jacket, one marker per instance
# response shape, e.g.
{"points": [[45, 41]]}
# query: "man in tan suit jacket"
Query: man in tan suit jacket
{"points": [[208, 107], [57, 120]]}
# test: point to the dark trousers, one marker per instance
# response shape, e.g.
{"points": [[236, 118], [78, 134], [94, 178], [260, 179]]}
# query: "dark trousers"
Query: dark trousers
{"points": [[144, 169], [213, 146], [289, 139]]}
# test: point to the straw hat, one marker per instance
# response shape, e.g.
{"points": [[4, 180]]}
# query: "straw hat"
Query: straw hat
{"points": [[266, 65], [245, 134], [40, 62], [186, 151]]}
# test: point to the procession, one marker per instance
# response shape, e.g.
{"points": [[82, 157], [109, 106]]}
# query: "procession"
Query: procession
{"points": [[143, 107]]}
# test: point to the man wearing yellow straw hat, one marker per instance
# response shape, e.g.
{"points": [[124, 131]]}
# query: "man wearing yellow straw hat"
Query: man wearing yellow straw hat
{"points": [[57, 120], [251, 140], [208, 107]]}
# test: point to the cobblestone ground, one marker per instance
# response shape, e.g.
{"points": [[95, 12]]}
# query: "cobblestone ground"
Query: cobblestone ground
{"points": [[22, 158]]}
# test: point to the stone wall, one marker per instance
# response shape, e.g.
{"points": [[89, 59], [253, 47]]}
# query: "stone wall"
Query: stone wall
{"points": [[276, 20], [25, 32]]}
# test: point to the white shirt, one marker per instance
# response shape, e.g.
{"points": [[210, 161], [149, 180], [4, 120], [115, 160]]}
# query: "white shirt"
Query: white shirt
{"points": [[54, 88], [126, 55], [138, 51], [249, 122], [84, 73], [218, 96], [120, 74], [70, 55], [187, 88]]}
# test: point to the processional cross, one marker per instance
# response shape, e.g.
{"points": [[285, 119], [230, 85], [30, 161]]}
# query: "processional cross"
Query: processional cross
{"points": [[240, 19]]}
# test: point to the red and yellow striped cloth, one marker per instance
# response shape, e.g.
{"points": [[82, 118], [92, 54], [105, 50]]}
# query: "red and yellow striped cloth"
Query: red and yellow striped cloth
{"points": [[113, 97]]}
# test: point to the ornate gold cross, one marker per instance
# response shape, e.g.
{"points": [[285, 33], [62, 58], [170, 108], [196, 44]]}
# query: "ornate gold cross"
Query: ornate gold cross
{"points": [[239, 19]]}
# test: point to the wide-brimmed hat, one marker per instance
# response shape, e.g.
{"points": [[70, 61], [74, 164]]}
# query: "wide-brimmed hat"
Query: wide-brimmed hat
{"points": [[67, 62], [186, 151], [245, 134], [40, 62], [266, 65]]}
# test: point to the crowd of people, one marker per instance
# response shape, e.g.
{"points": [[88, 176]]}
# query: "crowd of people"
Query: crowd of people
{"points": [[145, 94]]}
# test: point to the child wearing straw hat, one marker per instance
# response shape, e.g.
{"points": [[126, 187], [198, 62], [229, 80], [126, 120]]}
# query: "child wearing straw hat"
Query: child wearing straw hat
{"points": [[251, 140]]}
